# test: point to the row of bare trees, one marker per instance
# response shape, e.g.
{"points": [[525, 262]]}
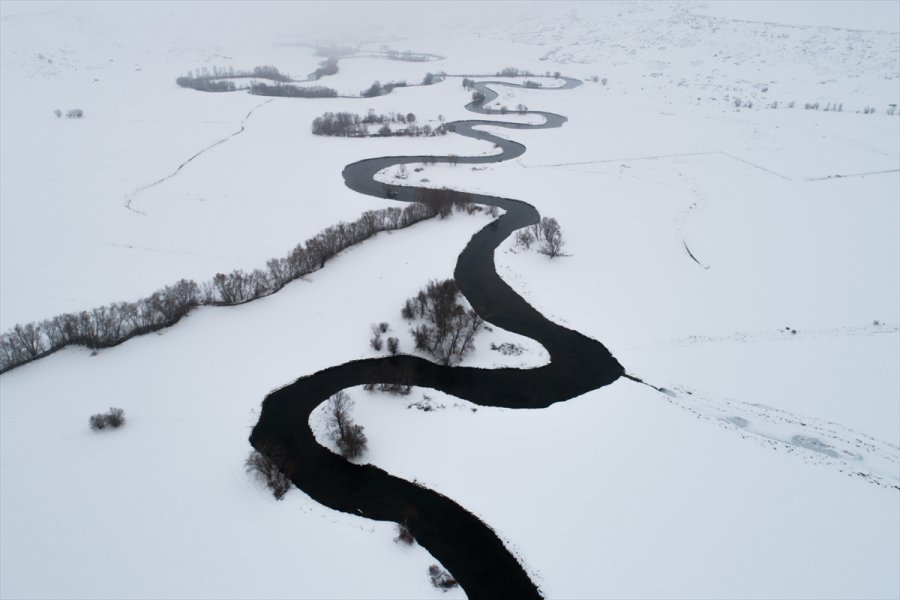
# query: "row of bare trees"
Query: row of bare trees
{"points": [[345, 124], [261, 72], [218, 79], [380, 89], [115, 323], [292, 91]]}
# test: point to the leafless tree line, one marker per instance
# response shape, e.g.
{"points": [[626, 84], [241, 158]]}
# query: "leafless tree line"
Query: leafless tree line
{"points": [[292, 91], [380, 89], [115, 323], [345, 124], [217, 79], [406, 55]]}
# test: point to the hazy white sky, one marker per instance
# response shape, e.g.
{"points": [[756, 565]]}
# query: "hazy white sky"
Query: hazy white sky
{"points": [[336, 18]]}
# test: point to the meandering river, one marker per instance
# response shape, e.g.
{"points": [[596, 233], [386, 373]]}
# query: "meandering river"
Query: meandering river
{"points": [[466, 546]]}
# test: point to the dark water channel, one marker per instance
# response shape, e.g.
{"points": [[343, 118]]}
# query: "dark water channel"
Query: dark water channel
{"points": [[463, 544]]}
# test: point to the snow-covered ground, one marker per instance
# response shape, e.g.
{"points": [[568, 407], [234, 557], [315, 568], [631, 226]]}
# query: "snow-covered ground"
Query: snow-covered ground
{"points": [[702, 236]]}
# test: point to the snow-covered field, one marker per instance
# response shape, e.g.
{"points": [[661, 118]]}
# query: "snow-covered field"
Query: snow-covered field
{"points": [[744, 259]]}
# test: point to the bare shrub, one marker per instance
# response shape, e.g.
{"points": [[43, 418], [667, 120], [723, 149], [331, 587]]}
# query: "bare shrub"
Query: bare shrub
{"points": [[393, 345], [441, 579], [408, 311], [376, 342], [269, 468], [114, 417], [404, 535], [524, 238]]}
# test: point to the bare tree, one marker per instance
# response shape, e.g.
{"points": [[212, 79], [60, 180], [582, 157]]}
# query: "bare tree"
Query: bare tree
{"points": [[349, 437], [551, 237]]}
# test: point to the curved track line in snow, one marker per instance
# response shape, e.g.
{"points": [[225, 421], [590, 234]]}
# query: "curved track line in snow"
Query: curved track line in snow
{"points": [[839, 176], [129, 200], [711, 153], [691, 254], [470, 549]]}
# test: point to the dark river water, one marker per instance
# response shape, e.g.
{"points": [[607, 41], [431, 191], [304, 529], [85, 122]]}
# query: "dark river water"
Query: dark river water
{"points": [[463, 544]]}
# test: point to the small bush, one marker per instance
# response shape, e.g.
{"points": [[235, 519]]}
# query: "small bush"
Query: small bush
{"points": [[393, 345], [114, 418], [524, 238], [404, 535], [376, 342], [441, 579], [264, 468]]}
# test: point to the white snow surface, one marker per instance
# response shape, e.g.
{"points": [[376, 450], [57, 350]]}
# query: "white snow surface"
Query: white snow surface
{"points": [[767, 466]]}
